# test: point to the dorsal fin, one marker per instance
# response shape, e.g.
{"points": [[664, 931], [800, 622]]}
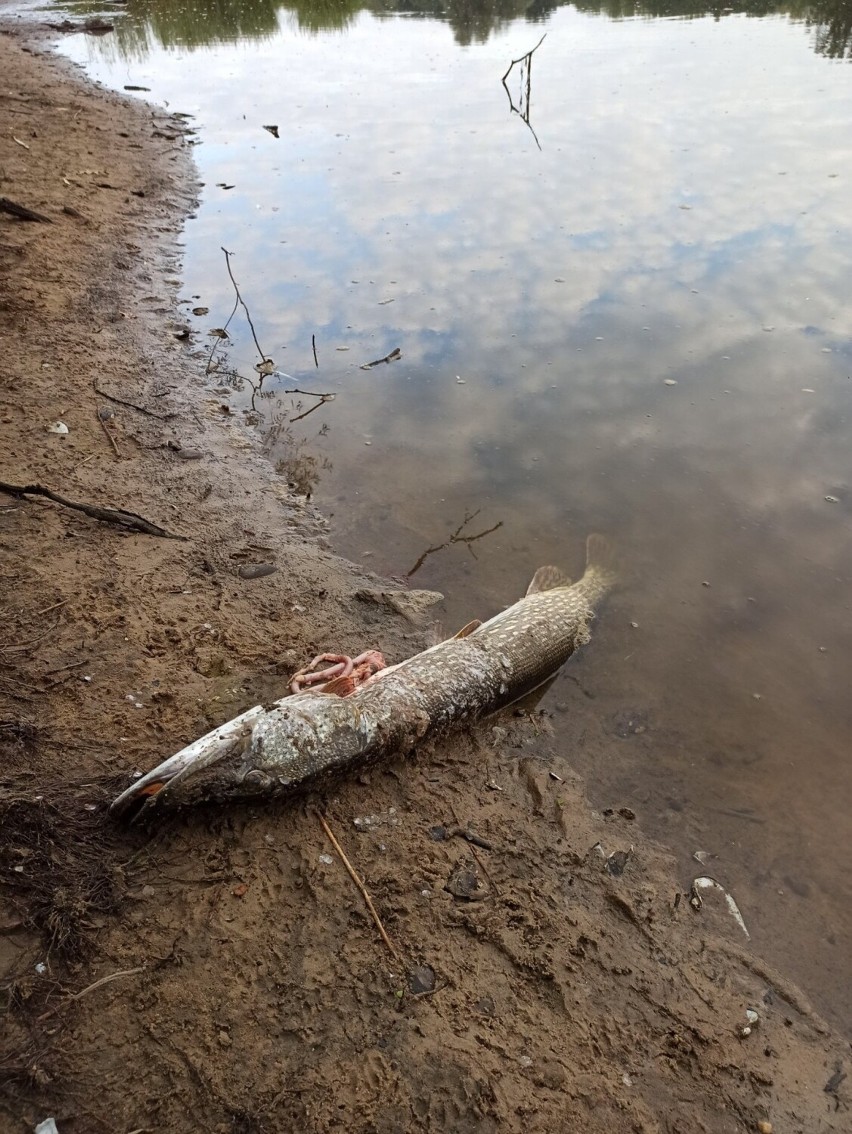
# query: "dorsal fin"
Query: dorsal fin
{"points": [[469, 629], [546, 578]]}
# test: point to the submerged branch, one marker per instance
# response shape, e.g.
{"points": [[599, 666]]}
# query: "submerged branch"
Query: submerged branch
{"points": [[455, 537]]}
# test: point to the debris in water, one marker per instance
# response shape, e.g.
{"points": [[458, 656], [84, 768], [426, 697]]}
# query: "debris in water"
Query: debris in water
{"points": [[670, 381], [830, 499], [200, 310], [273, 130], [392, 357]]}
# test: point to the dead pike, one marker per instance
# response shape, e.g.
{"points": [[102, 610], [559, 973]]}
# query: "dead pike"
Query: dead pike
{"points": [[310, 736]]}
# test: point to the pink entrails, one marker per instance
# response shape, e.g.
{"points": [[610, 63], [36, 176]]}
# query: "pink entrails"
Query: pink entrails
{"points": [[342, 676]]}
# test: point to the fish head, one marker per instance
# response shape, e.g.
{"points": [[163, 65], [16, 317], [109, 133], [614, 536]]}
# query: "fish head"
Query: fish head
{"points": [[264, 752]]}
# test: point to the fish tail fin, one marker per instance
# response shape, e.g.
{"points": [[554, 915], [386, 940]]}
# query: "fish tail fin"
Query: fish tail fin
{"points": [[602, 564]]}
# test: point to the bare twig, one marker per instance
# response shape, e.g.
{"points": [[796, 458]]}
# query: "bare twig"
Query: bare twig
{"points": [[314, 345], [392, 357], [47, 609], [522, 58], [323, 399], [91, 988], [22, 212], [474, 841], [393, 949], [523, 111], [110, 437], [455, 537], [308, 393], [218, 341], [128, 520], [130, 405], [240, 300], [16, 646]]}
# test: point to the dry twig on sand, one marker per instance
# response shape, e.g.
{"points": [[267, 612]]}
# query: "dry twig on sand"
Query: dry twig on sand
{"points": [[130, 521], [359, 883]]}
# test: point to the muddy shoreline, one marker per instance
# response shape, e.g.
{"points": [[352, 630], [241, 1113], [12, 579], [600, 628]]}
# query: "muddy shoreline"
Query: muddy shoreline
{"points": [[228, 955]]}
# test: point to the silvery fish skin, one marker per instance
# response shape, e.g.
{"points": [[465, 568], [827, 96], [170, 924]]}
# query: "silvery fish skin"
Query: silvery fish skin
{"points": [[309, 736]]}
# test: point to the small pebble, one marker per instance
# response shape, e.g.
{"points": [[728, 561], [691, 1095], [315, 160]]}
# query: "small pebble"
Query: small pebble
{"points": [[764, 1127]]}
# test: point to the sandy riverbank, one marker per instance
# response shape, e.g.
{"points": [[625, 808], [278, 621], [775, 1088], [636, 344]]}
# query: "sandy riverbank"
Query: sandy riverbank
{"points": [[231, 979]]}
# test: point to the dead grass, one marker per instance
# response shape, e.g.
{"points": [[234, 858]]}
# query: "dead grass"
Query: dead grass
{"points": [[61, 861]]}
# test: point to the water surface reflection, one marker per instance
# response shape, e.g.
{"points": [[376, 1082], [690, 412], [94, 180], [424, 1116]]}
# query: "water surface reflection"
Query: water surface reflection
{"points": [[640, 327], [165, 23]]}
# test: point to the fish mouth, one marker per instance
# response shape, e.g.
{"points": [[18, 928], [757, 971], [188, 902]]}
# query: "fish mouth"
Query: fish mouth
{"points": [[183, 775]]}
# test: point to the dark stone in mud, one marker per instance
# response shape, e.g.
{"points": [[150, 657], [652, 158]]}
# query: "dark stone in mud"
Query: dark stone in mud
{"points": [[257, 570], [421, 978], [617, 862]]}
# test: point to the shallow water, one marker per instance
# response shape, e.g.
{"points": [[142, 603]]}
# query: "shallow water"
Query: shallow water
{"points": [[626, 310]]}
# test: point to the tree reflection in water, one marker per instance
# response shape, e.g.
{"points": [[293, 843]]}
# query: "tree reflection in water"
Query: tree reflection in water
{"points": [[173, 23]]}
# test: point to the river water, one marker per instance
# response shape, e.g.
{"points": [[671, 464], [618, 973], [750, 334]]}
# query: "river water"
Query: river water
{"points": [[619, 284]]}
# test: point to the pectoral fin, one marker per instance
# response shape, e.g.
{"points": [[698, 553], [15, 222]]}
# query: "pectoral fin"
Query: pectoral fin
{"points": [[469, 629]]}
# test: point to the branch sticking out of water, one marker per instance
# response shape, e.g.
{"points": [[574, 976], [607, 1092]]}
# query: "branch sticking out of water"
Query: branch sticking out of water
{"points": [[523, 110], [242, 302], [323, 398], [456, 537]]}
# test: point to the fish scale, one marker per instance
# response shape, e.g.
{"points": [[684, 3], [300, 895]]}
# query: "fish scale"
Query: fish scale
{"points": [[308, 737]]}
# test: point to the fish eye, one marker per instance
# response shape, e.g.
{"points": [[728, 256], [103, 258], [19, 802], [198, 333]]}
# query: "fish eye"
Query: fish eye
{"points": [[256, 779]]}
